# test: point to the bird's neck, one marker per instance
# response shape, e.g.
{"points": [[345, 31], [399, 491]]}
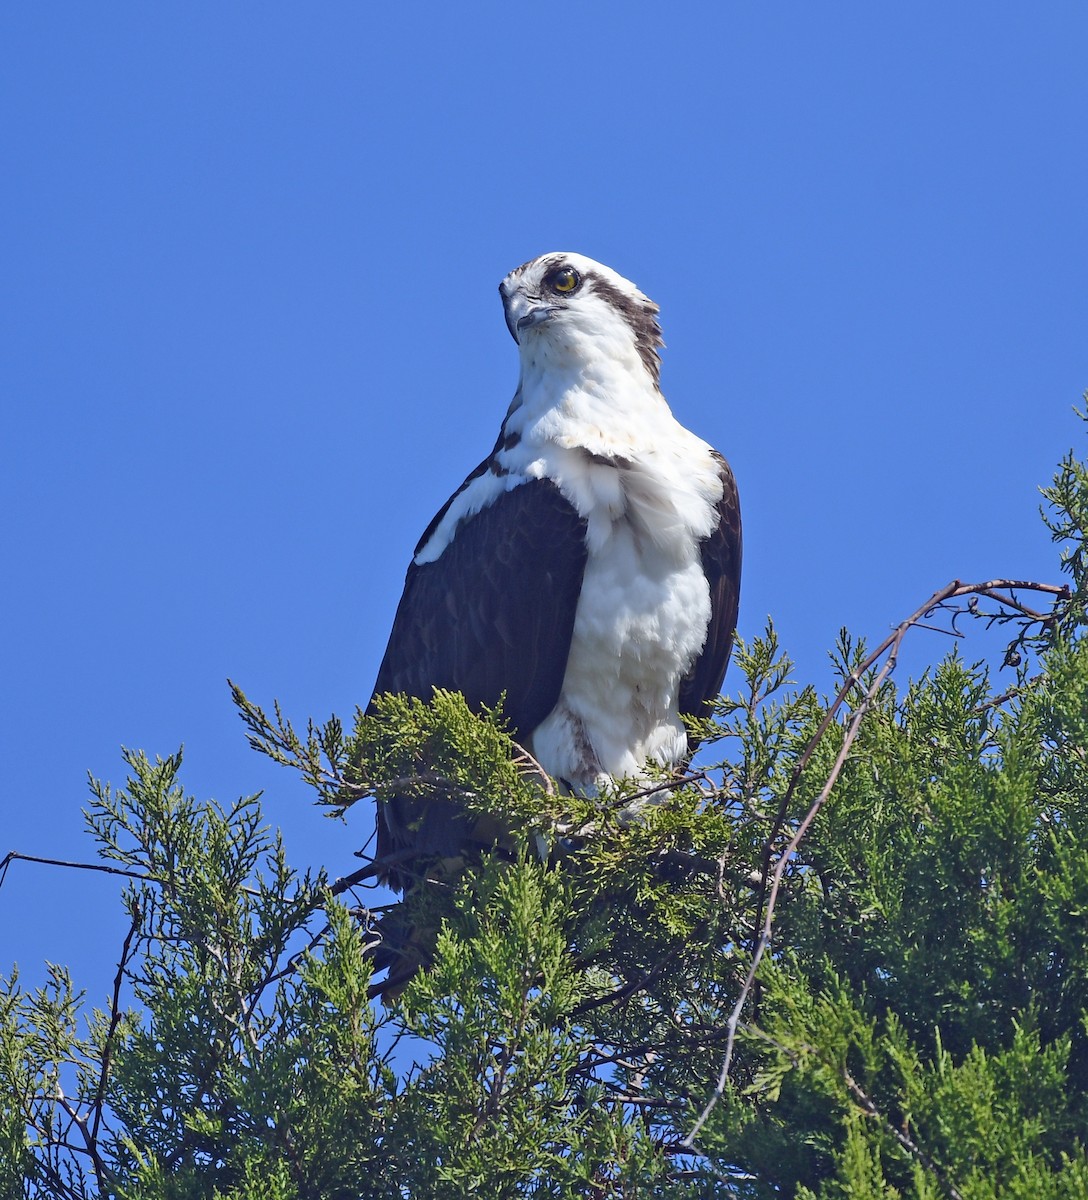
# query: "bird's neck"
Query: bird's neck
{"points": [[602, 398]]}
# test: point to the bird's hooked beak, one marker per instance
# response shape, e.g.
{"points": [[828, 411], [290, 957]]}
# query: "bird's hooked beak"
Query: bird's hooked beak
{"points": [[524, 312]]}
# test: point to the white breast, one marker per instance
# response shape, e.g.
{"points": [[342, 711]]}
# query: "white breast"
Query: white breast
{"points": [[645, 604]]}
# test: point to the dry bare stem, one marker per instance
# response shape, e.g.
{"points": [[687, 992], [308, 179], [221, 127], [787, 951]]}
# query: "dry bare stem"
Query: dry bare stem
{"points": [[771, 880]]}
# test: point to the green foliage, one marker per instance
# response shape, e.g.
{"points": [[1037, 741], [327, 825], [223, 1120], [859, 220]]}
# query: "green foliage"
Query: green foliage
{"points": [[1067, 519], [916, 1028], [505, 1104]]}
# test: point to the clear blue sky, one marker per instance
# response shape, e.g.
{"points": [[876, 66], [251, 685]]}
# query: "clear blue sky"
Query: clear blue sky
{"points": [[251, 336]]}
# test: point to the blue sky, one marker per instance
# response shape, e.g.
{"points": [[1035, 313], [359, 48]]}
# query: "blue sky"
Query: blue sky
{"points": [[251, 337]]}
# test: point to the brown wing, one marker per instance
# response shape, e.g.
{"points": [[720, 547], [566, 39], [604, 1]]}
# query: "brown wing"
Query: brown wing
{"points": [[721, 555], [493, 614]]}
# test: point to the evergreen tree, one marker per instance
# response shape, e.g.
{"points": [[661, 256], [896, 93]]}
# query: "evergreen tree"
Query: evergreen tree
{"points": [[848, 960]]}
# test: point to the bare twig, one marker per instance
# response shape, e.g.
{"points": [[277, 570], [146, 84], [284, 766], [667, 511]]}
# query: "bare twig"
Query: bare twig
{"points": [[346, 882], [901, 1136], [889, 650], [90, 1144], [104, 868], [869, 1107], [530, 767], [107, 1047], [997, 701], [684, 779], [15, 856], [625, 991], [938, 629]]}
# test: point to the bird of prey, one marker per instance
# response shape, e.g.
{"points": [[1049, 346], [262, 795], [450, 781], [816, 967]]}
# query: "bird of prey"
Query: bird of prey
{"points": [[587, 572]]}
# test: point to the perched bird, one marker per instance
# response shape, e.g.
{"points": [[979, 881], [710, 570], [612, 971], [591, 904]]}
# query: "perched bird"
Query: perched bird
{"points": [[588, 570]]}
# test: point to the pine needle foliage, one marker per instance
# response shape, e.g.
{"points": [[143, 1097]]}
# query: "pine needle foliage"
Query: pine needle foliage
{"points": [[605, 1015]]}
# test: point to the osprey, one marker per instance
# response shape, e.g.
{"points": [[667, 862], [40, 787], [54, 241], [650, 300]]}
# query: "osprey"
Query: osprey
{"points": [[587, 571]]}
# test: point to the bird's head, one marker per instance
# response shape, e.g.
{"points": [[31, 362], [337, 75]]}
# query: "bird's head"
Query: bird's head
{"points": [[564, 305]]}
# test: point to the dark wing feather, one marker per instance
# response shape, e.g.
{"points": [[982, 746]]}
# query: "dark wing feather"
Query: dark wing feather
{"points": [[721, 554], [493, 613]]}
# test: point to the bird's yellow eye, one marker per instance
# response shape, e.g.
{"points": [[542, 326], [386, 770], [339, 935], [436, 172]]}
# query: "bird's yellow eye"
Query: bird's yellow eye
{"points": [[565, 280]]}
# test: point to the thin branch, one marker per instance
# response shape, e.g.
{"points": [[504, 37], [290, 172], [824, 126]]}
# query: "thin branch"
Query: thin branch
{"points": [[115, 1021], [104, 868], [901, 1136], [889, 646], [89, 1147], [617, 1095], [1012, 602], [867, 1104], [15, 856], [346, 882], [769, 896], [684, 779], [1008, 694], [628, 989], [532, 769], [937, 629]]}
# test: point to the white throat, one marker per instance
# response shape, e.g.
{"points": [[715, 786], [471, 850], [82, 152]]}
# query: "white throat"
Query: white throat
{"points": [[604, 401]]}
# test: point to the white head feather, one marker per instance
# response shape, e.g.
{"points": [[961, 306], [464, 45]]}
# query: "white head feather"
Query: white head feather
{"points": [[564, 309]]}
